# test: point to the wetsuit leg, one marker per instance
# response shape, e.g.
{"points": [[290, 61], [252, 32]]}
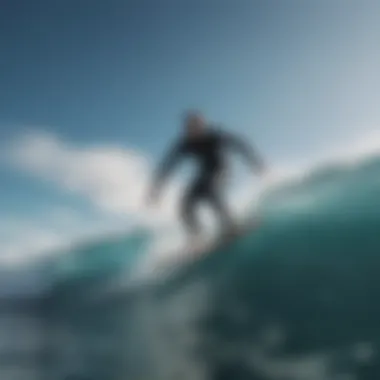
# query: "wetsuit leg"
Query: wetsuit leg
{"points": [[214, 196], [208, 187], [192, 196]]}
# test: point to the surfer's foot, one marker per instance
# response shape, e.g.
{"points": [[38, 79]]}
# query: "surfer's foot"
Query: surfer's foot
{"points": [[195, 242], [230, 232]]}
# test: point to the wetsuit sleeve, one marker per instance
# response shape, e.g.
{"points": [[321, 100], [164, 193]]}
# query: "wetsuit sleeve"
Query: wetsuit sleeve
{"points": [[169, 162], [244, 148]]}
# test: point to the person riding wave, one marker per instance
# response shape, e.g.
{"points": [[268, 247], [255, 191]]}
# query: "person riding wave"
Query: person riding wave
{"points": [[208, 145]]}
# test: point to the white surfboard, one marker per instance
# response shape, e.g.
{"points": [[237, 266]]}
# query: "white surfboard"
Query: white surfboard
{"points": [[204, 249]]}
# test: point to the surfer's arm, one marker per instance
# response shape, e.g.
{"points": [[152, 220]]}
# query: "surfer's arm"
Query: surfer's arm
{"points": [[166, 167], [247, 150]]}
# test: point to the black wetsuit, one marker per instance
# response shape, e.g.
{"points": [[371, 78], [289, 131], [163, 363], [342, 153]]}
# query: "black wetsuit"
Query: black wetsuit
{"points": [[209, 151]]}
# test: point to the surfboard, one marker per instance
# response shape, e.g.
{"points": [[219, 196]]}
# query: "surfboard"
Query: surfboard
{"points": [[220, 241], [190, 255]]}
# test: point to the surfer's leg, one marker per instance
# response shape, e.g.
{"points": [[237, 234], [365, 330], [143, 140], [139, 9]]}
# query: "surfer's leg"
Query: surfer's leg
{"points": [[215, 198], [189, 202], [223, 213]]}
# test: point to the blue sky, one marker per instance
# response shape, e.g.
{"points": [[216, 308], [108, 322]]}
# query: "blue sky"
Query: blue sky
{"points": [[96, 80]]}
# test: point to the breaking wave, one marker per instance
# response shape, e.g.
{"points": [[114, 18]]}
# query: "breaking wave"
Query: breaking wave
{"points": [[298, 298]]}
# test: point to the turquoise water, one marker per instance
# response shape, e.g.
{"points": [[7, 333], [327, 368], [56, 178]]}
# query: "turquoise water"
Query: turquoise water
{"points": [[299, 298]]}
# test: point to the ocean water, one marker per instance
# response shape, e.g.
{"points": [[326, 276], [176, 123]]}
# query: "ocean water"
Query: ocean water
{"points": [[296, 299]]}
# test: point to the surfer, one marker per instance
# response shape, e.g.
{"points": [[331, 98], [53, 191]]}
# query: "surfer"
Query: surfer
{"points": [[208, 146]]}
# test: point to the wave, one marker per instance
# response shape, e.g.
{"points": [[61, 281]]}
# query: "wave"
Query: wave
{"points": [[297, 298], [102, 258], [334, 191]]}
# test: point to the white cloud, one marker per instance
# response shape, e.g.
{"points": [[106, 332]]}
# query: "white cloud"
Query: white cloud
{"points": [[113, 178]]}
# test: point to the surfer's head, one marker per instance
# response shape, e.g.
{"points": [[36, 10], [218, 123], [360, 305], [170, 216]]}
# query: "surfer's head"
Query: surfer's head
{"points": [[194, 123]]}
